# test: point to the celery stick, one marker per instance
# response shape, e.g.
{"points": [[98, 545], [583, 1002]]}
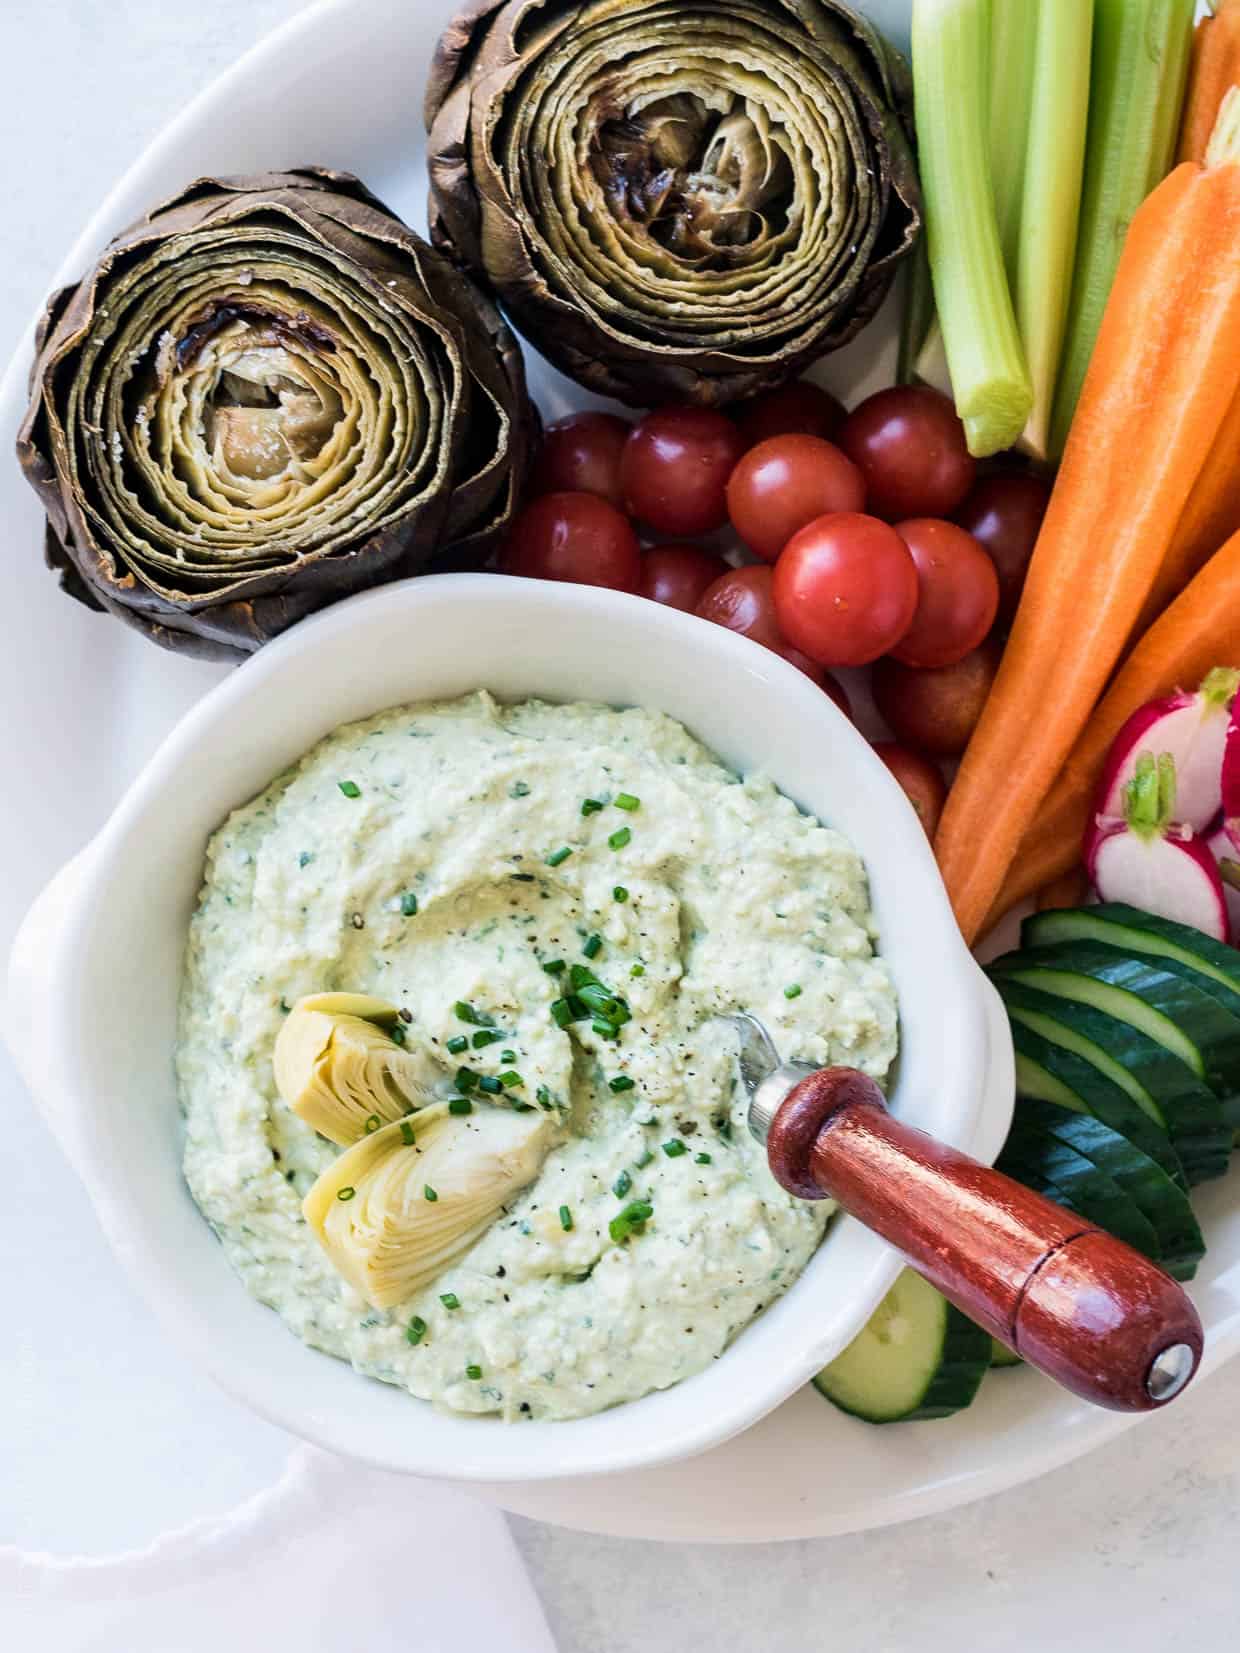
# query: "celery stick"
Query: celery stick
{"points": [[1051, 197], [1013, 43], [1140, 61], [951, 71]]}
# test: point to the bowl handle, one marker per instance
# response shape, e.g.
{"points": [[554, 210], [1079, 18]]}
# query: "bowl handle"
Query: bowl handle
{"points": [[31, 1018]]}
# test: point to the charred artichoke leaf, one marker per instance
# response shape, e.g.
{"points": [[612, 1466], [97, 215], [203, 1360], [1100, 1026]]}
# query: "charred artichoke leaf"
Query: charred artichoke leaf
{"points": [[373, 1215], [267, 394], [339, 1068], [674, 200]]}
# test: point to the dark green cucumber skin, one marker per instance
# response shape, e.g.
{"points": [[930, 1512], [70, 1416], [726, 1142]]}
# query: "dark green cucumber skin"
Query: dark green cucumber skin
{"points": [[963, 1363], [1118, 925], [1180, 1096], [1040, 1161], [1198, 1016], [1163, 1202], [1003, 1359]]}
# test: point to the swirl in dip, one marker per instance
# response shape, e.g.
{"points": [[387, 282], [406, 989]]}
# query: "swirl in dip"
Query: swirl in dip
{"points": [[689, 892]]}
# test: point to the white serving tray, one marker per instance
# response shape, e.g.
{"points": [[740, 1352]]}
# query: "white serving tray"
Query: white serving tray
{"points": [[86, 702]]}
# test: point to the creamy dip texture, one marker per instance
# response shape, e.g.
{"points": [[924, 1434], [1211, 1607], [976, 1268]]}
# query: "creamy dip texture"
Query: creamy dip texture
{"points": [[707, 894]]}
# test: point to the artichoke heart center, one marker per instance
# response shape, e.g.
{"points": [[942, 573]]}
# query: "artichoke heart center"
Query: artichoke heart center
{"points": [[709, 186]]}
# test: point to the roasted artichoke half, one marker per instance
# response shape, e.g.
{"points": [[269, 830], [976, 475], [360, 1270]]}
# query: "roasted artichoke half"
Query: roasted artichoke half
{"points": [[687, 199], [266, 395], [402, 1204]]}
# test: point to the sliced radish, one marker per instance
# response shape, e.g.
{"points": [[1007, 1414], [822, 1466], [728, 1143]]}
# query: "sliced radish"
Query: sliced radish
{"points": [[1224, 846], [1229, 781], [1149, 861], [1193, 730]]}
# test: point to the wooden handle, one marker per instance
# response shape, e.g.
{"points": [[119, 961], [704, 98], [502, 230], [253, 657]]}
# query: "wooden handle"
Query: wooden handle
{"points": [[1091, 1312]]}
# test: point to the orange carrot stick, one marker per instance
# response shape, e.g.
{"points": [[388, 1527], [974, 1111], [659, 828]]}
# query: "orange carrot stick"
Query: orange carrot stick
{"points": [[1199, 631], [1215, 69], [1164, 372]]}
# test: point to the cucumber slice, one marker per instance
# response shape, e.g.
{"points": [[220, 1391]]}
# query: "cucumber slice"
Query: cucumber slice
{"points": [[1118, 925], [1040, 1161], [917, 1357], [1163, 1086], [1167, 1007], [1162, 1201], [1001, 1355]]}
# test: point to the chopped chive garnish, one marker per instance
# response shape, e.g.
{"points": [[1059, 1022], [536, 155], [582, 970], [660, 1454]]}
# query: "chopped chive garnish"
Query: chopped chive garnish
{"points": [[466, 1013], [637, 969], [428, 1193], [490, 1084], [466, 1079], [619, 893], [554, 967], [408, 904], [562, 1013], [725, 1130], [566, 1219], [626, 800], [559, 855], [473, 1373], [622, 1185], [591, 806], [350, 789], [632, 1220], [484, 1037], [580, 977], [618, 840], [702, 1159], [544, 1096], [644, 1161], [406, 1133], [449, 1299], [511, 1080], [621, 1082], [519, 789], [605, 1030], [508, 1057], [373, 1123], [457, 1044], [286, 1007], [460, 1105], [416, 1330], [793, 991], [398, 1034], [345, 1193], [593, 947], [674, 1148], [305, 858]]}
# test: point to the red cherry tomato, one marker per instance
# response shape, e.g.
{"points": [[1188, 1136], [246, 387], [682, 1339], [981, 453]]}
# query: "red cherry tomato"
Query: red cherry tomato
{"points": [[912, 452], [581, 455], [936, 711], [741, 600], [799, 409], [677, 575], [781, 485], [958, 593], [675, 469], [845, 590], [576, 537], [923, 784], [1005, 514]]}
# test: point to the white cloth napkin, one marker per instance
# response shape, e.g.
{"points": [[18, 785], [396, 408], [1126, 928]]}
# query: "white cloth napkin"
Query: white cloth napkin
{"points": [[333, 1559]]}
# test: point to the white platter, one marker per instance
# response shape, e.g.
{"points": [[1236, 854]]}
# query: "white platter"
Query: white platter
{"points": [[87, 702]]}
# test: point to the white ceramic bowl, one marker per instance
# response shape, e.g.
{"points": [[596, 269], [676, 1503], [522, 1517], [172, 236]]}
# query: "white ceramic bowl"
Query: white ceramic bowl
{"points": [[96, 968]]}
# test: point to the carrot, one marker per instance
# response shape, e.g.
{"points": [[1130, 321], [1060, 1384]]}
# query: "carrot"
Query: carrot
{"points": [[1069, 890], [1201, 630], [1215, 69], [1163, 375], [1211, 516]]}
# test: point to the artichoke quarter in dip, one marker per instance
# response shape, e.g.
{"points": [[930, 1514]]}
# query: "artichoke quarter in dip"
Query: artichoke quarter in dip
{"points": [[558, 902]]}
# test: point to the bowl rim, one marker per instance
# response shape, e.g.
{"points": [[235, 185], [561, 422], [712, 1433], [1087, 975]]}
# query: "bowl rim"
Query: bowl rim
{"points": [[98, 1161]]}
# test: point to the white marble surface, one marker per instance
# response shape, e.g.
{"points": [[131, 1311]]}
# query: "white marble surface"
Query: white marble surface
{"points": [[1133, 1545]]}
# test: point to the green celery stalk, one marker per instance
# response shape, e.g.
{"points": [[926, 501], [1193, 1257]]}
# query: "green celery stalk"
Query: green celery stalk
{"points": [[1013, 46], [951, 73], [1051, 197], [1140, 65]]}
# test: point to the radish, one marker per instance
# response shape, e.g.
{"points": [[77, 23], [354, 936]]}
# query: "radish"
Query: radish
{"points": [[1148, 860], [1224, 846], [1193, 729], [1229, 781]]}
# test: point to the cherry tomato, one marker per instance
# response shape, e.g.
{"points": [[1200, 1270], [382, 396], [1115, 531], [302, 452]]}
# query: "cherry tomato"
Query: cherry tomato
{"points": [[581, 455], [781, 485], [677, 575], [957, 597], [799, 409], [675, 469], [923, 784], [936, 711], [741, 600], [1005, 514], [912, 451], [576, 537], [845, 590]]}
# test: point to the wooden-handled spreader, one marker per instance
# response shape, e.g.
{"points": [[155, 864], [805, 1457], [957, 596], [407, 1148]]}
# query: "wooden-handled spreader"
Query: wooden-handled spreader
{"points": [[1070, 1299]]}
